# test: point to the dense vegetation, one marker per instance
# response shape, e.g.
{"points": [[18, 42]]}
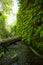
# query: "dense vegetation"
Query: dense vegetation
{"points": [[3, 32], [29, 25], [5, 6], [30, 22]]}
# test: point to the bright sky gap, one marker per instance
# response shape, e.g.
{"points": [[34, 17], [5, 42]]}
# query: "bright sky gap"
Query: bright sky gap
{"points": [[12, 16]]}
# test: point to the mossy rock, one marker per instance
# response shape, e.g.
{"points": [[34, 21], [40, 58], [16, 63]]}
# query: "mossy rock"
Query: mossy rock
{"points": [[9, 57]]}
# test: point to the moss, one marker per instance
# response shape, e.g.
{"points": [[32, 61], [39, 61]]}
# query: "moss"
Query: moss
{"points": [[29, 22]]}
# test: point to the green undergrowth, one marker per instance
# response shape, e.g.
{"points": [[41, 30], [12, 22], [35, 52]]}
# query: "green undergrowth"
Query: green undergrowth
{"points": [[30, 22]]}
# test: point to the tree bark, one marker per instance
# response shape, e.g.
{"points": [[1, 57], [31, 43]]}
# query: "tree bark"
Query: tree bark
{"points": [[9, 41]]}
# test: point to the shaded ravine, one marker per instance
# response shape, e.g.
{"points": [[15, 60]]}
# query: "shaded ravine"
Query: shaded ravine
{"points": [[25, 55], [22, 51]]}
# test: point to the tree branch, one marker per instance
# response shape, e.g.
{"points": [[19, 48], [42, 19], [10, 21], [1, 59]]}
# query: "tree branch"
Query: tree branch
{"points": [[9, 41]]}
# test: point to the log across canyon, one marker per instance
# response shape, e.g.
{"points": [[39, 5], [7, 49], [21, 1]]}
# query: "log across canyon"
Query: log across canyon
{"points": [[9, 41], [12, 40]]}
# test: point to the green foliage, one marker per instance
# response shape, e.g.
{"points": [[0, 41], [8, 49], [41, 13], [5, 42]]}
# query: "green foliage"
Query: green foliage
{"points": [[30, 22], [3, 32], [6, 8], [6, 5], [1, 54]]}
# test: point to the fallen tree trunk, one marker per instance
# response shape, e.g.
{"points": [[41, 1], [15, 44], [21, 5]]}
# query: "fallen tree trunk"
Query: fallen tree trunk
{"points": [[9, 41]]}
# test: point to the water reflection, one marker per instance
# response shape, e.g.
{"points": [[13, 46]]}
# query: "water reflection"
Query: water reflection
{"points": [[15, 63]]}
